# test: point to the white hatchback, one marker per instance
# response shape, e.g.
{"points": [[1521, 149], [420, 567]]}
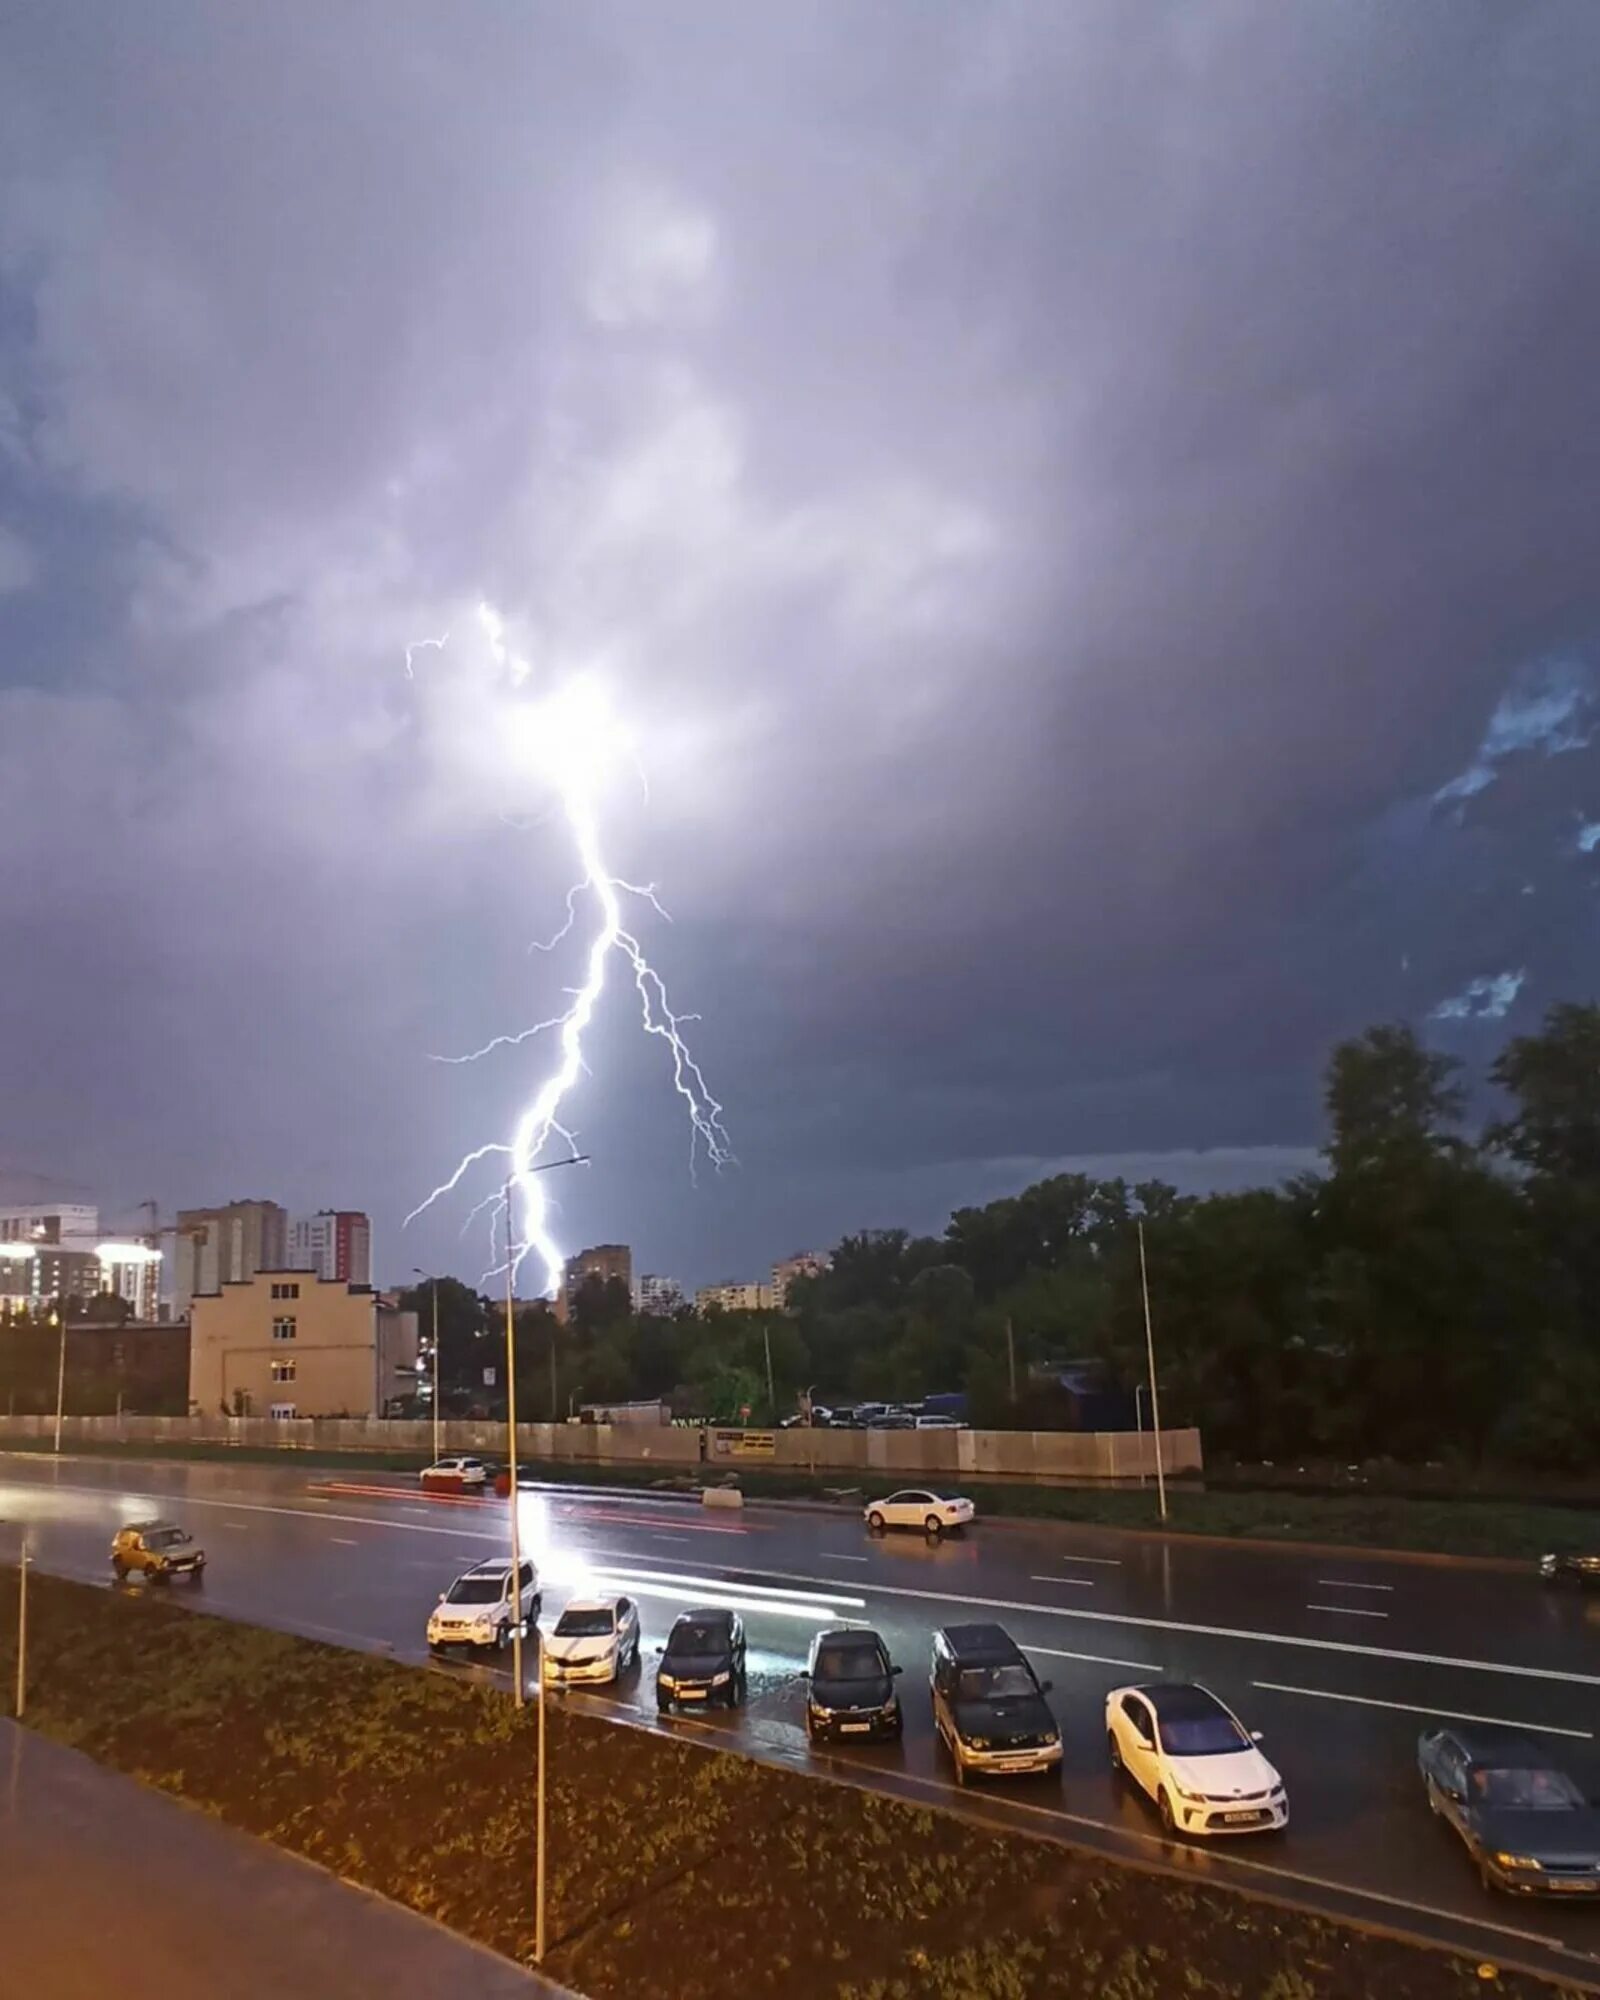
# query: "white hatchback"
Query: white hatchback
{"points": [[933, 1513], [462, 1471], [1195, 1758]]}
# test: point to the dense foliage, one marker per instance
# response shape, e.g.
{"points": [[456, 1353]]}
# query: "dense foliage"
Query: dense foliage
{"points": [[1424, 1296]]}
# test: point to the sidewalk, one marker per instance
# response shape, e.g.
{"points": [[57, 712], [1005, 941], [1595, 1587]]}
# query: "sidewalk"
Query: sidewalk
{"points": [[109, 1888]]}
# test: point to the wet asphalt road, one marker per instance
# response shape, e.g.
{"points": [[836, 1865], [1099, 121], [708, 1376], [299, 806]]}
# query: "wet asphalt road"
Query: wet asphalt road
{"points": [[1339, 1660]]}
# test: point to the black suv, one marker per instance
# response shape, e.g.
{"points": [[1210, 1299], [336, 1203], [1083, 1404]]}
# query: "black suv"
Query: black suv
{"points": [[989, 1705], [850, 1687], [703, 1660]]}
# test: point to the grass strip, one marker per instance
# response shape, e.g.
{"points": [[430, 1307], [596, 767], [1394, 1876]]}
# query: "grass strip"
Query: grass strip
{"points": [[678, 1871]]}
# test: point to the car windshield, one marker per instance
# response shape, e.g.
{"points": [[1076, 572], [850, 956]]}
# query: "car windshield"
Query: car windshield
{"points": [[476, 1590], [584, 1625], [1203, 1736], [701, 1636], [164, 1538], [1526, 1791], [994, 1683], [849, 1663]]}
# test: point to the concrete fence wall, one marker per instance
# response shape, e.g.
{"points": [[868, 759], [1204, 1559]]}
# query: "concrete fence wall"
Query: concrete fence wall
{"points": [[1039, 1456]]}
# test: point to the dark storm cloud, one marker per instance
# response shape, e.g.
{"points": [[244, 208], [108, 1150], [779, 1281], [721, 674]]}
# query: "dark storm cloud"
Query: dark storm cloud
{"points": [[1060, 492]]}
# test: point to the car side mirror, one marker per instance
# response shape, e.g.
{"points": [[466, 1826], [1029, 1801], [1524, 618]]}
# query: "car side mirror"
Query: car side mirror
{"points": [[441, 1597], [1046, 1686], [1256, 1736], [897, 1670]]}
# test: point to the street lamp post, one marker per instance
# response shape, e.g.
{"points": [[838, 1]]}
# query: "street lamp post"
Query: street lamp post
{"points": [[1150, 1351], [577, 1159], [61, 1373], [433, 1285]]}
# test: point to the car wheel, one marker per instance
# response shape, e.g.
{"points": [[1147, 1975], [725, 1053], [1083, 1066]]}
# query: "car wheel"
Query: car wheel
{"points": [[161, 1575], [934, 1525], [663, 1704], [1114, 1752], [876, 1522], [1486, 1877], [119, 1569], [1169, 1825]]}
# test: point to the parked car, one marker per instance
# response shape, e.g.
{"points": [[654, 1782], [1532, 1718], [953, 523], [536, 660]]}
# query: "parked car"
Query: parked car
{"points": [[1194, 1758], [595, 1639], [850, 1687], [989, 1706], [477, 1609], [159, 1550], [455, 1471], [940, 1424], [1570, 1568], [1528, 1827], [918, 1508], [703, 1660]]}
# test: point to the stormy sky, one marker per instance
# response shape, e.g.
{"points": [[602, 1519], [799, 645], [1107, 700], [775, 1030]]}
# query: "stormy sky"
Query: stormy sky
{"points": [[1089, 515]]}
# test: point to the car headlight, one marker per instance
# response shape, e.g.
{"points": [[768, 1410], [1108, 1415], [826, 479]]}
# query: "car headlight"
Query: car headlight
{"points": [[1051, 1739], [1193, 1798], [978, 1743], [1518, 1861], [665, 1680], [892, 1705], [1548, 1565], [721, 1680]]}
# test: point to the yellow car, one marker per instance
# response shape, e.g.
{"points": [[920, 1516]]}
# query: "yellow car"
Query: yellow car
{"points": [[158, 1549]]}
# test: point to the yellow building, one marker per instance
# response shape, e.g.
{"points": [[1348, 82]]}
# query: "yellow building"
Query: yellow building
{"points": [[291, 1344]]}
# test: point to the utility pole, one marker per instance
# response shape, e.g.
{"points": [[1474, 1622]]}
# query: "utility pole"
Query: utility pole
{"points": [[539, 1840], [772, 1396], [1150, 1351], [511, 1462], [61, 1375], [433, 1286], [1011, 1361], [22, 1631]]}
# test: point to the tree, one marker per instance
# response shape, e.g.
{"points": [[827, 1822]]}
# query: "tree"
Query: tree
{"points": [[1554, 1078], [1387, 1098]]}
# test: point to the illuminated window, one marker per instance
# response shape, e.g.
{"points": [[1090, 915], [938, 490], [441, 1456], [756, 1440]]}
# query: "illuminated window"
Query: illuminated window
{"points": [[283, 1371], [283, 1327]]}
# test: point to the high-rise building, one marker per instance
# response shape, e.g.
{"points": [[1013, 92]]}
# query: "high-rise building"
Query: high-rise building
{"points": [[35, 1275], [803, 1264], [213, 1247], [336, 1243], [659, 1297], [734, 1298], [69, 1260], [73, 1222], [602, 1261]]}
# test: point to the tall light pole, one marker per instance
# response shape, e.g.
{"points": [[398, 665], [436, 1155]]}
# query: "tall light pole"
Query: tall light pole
{"points": [[60, 1319], [1150, 1352], [433, 1284], [576, 1160]]}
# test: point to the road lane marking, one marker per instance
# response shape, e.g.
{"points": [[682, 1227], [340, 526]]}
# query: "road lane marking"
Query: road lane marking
{"points": [[237, 1524], [1096, 1659], [843, 1559], [1105, 1562], [1072, 1582], [1348, 1583], [1421, 1708], [345, 1541], [1347, 1610], [1131, 1619], [661, 1537]]}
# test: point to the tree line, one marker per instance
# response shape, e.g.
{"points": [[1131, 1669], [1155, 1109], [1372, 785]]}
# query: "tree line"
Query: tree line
{"points": [[1425, 1294]]}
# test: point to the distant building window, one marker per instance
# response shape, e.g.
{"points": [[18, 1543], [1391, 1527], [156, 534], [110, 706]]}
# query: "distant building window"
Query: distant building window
{"points": [[283, 1371], [281, 1413], [286, 1291], [283, 1327]]}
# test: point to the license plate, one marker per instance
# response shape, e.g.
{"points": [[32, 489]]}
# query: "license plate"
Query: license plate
{"points": [[1014, 1763], [1573, 1887], [1241, 1818], [854, 1728], [691, 1694]]}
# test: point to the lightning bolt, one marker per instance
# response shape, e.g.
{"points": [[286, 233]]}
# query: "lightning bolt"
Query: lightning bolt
{"points": [[572, 733]]}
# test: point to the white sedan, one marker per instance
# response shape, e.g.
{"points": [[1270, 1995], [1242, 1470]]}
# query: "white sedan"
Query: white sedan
{"points": [[457, 1471], [595, 1639], [917, 1508], [1195, 1758]]}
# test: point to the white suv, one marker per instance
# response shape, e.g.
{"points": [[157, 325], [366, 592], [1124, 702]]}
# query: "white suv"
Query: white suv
{"points": [[476, 1609], [464, 1471]]}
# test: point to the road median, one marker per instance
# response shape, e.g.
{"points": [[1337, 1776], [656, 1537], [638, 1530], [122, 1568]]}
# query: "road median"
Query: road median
{"points": [[676, 1869]]}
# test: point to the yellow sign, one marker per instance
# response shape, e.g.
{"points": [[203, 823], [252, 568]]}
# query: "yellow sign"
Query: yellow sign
{"points": [[744, 1444]]}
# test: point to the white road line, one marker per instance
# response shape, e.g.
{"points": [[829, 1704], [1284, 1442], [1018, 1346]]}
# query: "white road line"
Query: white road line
{"points": [[1073, 1582], [843, 1559], [1294, 1639], [236, 1524], [662, 1537], [1420, 1708], [1097, 1659], [1348, 1583], [1104, 1562], [345, 1541], [1347, 1610]]}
